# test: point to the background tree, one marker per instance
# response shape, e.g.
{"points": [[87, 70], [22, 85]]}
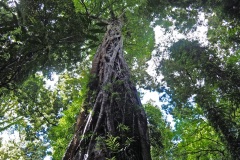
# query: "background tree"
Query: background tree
{"points": [[194, 72], [31, 39], [207, 76], [160, 133]]}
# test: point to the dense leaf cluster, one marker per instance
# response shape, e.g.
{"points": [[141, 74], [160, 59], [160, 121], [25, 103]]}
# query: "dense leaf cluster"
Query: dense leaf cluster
{"points": [[39, 36]]}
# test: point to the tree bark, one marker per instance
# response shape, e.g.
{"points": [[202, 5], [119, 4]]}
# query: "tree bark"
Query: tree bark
{"points": [[113, 123]]}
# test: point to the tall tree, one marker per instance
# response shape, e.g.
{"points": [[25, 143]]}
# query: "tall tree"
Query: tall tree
{"points": [[197, 73], [206, 75], [32, 42], [113, 121]]}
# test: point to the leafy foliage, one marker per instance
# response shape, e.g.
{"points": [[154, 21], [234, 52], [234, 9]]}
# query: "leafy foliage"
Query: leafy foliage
{"points": [[195, 138], [31, 114], [160, 133], [31, 39], [196, 73], [61, 134], [200, 85]]}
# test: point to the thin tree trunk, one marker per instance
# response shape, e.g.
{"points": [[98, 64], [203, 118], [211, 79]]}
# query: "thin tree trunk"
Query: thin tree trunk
{"points": [[113, 123]]}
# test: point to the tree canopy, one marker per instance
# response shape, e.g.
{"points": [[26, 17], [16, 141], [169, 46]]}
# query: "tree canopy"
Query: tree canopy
{"points": [[198, 83]]}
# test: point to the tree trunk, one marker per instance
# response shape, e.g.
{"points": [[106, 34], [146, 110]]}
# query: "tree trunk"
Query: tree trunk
{"points": [[228, 128], [113, 123]]}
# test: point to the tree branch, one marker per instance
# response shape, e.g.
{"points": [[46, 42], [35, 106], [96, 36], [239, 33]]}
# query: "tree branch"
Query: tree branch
{"points": [[45, 117], [85, 7]]}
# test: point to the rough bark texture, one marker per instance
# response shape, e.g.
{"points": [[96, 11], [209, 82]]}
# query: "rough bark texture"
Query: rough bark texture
{"points": [[113, 123]]}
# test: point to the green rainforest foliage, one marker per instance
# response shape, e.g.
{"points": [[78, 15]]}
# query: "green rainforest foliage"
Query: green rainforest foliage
{"points": [[198, 81]]}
